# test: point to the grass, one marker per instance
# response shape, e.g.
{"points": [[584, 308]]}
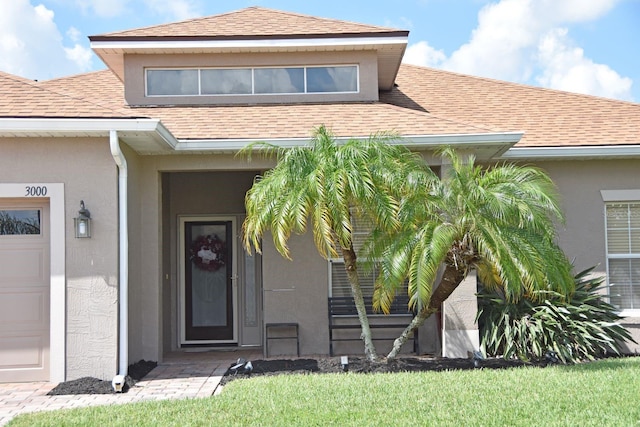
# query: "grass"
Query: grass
{"points": [[594, 394]]}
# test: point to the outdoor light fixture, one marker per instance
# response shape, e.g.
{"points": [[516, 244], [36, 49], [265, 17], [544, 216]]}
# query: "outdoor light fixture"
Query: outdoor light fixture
{"points": [[344, 361], [83, 222]]}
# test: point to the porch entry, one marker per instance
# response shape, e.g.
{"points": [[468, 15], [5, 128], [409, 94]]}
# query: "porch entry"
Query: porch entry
{"points": [[208, 289]]}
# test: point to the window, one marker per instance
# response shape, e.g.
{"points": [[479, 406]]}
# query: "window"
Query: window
{"points": [[279, 80], [623, 254], [339, 282], [225, 82], [172, 82], [19, 222], [332, 79], [252, 81]]}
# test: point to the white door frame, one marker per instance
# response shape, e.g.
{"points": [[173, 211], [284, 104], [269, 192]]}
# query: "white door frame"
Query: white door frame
{"points": [[57, 300], [182, 219]]}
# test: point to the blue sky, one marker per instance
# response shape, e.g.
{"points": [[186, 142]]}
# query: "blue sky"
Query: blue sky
{"points": [[586, 46]]}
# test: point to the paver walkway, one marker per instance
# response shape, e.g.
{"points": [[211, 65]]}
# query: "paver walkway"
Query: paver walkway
{"points": [[179, 376]]}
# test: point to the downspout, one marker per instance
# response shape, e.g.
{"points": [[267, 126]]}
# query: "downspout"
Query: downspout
{"points": [[123, 240]]}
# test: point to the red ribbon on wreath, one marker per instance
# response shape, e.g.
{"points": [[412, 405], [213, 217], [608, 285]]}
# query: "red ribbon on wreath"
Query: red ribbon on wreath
{"points": [[208, 252]]}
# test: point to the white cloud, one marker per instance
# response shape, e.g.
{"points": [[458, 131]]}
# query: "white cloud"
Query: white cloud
{"points": [[175, 9], [31, 44], [422, 53], [522, 41], [74, 34], [80, 55], [566, 68]]}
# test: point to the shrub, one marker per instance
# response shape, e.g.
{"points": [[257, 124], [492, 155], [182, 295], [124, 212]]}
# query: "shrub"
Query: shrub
{"points": [[582, 327]]}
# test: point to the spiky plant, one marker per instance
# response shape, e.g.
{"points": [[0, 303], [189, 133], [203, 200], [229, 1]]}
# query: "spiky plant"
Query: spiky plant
{"points": [[581, 327]]}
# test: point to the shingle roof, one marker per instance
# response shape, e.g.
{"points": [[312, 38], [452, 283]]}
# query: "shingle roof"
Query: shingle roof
{"points": [[548, 117], [425, 102], [287, 121], [26, 98], [254, 22]]}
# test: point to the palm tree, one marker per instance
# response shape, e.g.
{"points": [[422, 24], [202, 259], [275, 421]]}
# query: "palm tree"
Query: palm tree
{"points": [[499, 221], [327, 182]]}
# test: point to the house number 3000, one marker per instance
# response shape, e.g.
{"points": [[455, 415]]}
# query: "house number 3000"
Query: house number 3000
{"points": [[35, 191]]}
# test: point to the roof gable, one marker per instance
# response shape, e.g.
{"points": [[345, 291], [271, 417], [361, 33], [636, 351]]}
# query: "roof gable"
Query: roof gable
{"points": [[253, 22], [256, 30]]}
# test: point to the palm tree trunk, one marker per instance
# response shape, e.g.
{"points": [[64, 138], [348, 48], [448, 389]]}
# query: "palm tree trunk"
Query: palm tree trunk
{"points": [[349, 256], [451, 278]]}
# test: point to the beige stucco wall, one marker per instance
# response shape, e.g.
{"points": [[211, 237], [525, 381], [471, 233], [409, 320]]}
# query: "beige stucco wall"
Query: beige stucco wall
{"points": [[136, 64], [579, 183], [583, 235], [88, 173], [296, 291]]}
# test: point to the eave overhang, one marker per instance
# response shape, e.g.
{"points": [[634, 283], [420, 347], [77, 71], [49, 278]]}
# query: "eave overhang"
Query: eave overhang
{"points": [[143, 135], [390, 48], [150, 137]]}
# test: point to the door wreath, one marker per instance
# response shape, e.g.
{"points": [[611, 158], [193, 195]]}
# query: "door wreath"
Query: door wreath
{"points": [[208, 252]]}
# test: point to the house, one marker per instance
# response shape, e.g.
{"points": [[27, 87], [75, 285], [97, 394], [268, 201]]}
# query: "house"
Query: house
{"points": [[122, 198]]}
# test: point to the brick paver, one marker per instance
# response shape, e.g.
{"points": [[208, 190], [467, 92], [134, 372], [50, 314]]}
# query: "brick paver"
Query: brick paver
{"points": [[179, 376]]}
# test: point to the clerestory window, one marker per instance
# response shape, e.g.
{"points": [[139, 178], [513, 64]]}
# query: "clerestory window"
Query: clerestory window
{"points": [[252, 81]]}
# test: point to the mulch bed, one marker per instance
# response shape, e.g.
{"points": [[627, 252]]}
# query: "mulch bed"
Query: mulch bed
{"points": [[362, 365], [137, 371], [90, 385]]}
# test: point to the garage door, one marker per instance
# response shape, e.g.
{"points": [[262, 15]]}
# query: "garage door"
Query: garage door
{"points": [[24, 290]]}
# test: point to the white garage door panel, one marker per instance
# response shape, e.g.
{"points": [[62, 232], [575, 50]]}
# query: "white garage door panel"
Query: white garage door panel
{"points": [[24, 309], [24, 298], [22, 352], [22, 265]]}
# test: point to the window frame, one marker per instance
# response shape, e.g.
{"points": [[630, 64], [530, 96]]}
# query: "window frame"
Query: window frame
{"points": [[611, 198], [305, 91]]}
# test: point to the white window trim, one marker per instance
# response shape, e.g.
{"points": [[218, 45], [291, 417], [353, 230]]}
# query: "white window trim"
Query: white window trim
{"points": [[200, 94], [612, 196]]}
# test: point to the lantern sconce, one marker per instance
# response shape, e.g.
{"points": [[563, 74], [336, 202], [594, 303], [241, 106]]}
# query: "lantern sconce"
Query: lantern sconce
{"points": [[83, 222]]}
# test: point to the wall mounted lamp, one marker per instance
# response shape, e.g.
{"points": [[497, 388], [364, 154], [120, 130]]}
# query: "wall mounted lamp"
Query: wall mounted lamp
{"points": [[82, 222]]}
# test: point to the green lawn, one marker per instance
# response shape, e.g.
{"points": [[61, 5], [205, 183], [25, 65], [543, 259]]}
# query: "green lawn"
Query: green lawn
{"points": [[603, 393]]}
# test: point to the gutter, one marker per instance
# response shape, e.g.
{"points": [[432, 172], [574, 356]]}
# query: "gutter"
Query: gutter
{"points": [[582, 152], [123, 240], [502, 139]]}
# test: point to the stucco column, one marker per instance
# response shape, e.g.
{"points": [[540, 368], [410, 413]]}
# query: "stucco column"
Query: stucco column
{"points": [[460, 334]]}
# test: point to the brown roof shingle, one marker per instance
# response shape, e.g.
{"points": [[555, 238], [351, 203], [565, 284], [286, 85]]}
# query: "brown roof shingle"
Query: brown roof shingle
{"points": [[254, 22], [548, 117], [279, 121], [25, 98]]}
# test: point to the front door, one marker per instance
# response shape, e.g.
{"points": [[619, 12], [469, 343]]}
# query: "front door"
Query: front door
{"points": [[207, 287]]}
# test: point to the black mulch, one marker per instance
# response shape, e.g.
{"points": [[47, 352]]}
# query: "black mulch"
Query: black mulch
{"points": [[362, 365], [90, 385]]}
